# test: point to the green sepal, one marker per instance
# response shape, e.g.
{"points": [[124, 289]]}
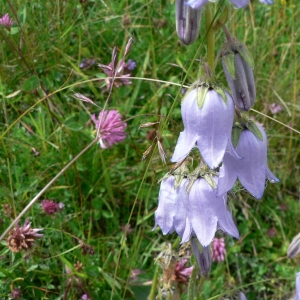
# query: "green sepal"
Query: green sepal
{"points": [[201, 94], [221, 92], [235, 135], [210, 180], [228, 59], [251, 125], [246, 55]]}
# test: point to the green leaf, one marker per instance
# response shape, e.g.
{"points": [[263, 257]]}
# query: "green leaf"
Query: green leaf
{"points": [[31, 84], [72, 124]]}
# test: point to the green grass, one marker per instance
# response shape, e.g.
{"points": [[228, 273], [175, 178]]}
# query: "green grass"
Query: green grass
{"points": [[107, 189]]}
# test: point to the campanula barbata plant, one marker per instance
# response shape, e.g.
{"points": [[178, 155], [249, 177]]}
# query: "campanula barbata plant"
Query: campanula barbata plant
{"points": [[193, 195]]}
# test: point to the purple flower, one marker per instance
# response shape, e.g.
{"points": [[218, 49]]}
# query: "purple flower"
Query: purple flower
{"points": [[200, 212], [16, 293], [275, 108], [210, 126], [130, 65], [297, 296], [268, 2], [199, 3], [251, 170], [6, 21], [50, 207], [110, 128], [187, 22], [182, 273], [22, 237], [218, 250]]}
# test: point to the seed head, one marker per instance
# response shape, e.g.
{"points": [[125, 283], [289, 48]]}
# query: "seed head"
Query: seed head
{"points": [[23, 237]]}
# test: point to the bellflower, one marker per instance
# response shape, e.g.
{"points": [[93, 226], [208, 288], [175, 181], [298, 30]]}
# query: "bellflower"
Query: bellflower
{"points": [[297, 296], [110, 127], [238, 68], [199, 3], [251, 170], [210, 125], [187, 22], [200, 212], [268, 2]]}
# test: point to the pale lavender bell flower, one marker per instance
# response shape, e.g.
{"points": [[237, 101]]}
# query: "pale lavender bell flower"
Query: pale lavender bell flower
{"points": [[199, 3], [110, 128], [252, 170], [210, 125], [297, 296], [200, 212]]}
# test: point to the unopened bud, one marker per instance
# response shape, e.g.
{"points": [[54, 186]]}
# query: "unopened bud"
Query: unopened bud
{"points": [[294, 247], [187, 22], [238, 68]]}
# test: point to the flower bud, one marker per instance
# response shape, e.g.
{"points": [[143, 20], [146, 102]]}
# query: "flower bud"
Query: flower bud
{"points": [[187, 22], [294, 247], [238, 68]]}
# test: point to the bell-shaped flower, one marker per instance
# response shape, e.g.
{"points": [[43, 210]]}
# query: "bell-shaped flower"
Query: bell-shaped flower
{"points": [[187, 22], [297, 296], [209, 124], [199, 3], [198, 212], [206, 213], [252, 170], [238, 68]]}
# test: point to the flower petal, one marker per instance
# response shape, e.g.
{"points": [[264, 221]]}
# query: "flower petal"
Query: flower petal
{"points": [[216, 124]]}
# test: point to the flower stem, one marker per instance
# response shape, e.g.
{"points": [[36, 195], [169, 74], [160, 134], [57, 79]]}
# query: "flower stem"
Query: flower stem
{"points": [[210, 37]]}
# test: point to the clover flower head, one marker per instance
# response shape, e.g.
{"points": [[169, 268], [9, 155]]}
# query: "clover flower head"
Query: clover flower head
{"points": [[6, 21], [16, 293], [110, 128], [22, 237], [50, 207], [275, 108], [200, 212], [218, 249], [209, 125], [252, 170]]}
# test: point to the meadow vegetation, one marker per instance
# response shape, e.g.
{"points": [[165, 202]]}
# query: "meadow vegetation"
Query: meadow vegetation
{"points": [[102, 237]]}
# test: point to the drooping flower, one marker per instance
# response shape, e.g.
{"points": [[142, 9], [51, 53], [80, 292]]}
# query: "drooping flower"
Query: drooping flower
{"points": [[294, 247], [23, 237], [110, 128], [50, 207], [218, 249], [238, 68], [199, 3], [6, 21], [203, 257], [198, 212], [209, 125], [297, 296], [252, 170], [187, 22]]}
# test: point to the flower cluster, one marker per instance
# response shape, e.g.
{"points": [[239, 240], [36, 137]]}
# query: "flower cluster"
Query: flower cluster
{"points": [[188, 17], [23, 237], [218, 249], [6, 21], [50, 207], [110, 128]]}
